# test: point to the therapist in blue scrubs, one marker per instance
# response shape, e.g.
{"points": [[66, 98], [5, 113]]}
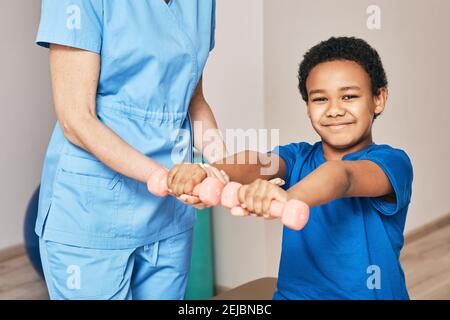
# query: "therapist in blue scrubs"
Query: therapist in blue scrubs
{"points": [[127, 85]]}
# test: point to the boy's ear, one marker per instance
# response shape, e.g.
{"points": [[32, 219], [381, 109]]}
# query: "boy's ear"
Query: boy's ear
{"points": [[380, 100]]}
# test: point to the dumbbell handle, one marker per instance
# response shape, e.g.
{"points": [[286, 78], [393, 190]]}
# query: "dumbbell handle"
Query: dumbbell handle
{"points": [[294, 214], [209, 191], [157, 182]]}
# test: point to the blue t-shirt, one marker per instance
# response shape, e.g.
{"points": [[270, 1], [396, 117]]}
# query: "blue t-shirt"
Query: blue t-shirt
{"points": [[350, 247]]}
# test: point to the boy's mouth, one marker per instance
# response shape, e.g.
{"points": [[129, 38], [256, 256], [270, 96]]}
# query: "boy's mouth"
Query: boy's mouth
{"points": [[338, 125]]}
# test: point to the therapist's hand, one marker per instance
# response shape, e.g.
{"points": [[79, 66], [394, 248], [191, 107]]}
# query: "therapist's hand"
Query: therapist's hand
{"points": [[192, 201], [183, 178]]}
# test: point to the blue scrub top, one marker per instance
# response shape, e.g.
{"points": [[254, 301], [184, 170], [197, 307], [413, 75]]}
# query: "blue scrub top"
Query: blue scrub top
{"points": [[152, 57], [350, 247]]}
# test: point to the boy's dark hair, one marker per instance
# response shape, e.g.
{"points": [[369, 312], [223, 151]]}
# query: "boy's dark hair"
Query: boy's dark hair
{"points": [[343, 48]]}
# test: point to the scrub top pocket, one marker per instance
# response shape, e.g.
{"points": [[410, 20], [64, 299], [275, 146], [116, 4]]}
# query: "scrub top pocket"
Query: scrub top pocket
{"points": [[88, 192], [87, 172]]}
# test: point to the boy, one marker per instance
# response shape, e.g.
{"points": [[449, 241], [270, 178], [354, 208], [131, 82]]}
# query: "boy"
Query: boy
{"points": [[358, 191]]}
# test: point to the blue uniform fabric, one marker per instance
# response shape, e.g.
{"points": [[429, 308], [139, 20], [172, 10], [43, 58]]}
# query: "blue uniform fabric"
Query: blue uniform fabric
{"points": [[155, 271], [350, 247], [152, 57]]}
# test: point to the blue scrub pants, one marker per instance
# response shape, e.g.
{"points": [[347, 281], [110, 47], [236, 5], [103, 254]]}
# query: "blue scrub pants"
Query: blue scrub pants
{"points": [[153, 272]]}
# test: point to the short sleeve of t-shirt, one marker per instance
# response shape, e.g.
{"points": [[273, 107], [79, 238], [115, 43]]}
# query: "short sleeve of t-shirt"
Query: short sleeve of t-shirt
{"points": [[398, 168], [73, 23], [290, 154]]}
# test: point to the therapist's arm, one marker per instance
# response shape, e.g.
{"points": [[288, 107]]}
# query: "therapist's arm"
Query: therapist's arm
{"points": [[75, 75], [207, 137]]}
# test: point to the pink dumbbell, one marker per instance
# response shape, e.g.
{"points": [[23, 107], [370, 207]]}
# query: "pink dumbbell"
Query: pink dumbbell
{"points": [[209, 191], [294, 214], [157, 183]]}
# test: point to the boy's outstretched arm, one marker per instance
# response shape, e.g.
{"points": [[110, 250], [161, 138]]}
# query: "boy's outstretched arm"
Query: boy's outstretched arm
{"points": [[342, 179], [332, 180], [243, 167], [247, 166]]}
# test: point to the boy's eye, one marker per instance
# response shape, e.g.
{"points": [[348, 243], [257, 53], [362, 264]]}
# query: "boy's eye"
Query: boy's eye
{"points": [[349, 97], [319, 99]]}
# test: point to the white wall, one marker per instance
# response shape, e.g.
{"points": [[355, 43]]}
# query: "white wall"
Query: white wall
{"points": [[27, 114], [234, 87]]}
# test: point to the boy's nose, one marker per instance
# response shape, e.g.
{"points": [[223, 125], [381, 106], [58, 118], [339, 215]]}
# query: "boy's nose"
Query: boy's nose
{"points": [[334, 110]]}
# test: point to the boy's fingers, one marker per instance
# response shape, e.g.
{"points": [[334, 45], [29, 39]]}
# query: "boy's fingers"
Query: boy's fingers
{"points": [[257, 204], [263, 199], [253, 198], [255, 195], [266, 206], [241, 194], [248, 199], [265, 216], [280, 195]]}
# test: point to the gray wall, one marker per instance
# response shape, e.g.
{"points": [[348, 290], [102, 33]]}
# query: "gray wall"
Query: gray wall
{"points": [[28, 117]]}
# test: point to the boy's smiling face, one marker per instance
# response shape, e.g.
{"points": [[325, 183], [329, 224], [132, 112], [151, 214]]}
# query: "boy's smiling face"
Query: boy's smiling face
{"points": [[341, 105]]}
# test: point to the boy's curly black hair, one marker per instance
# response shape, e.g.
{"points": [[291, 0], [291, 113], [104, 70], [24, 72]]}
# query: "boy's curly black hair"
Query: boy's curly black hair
{"points": [[343, 48]]}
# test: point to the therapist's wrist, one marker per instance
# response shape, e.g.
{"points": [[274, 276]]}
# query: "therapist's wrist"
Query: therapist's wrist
{"points": [[151, 168]]}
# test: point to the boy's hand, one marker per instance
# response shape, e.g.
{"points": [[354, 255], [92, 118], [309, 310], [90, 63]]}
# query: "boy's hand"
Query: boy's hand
{"points": [[257, 196], [183, 178]]}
